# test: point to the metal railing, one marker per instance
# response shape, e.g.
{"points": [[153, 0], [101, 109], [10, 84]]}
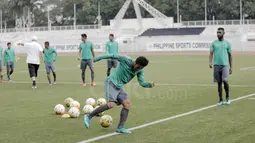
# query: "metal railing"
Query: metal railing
{"points": [[52, 28], [217, 22]]}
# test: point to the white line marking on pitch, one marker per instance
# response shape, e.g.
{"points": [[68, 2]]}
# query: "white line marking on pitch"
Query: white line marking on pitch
{"points": [[162, 120], [252, 98], [159, 84], [247, 68]]}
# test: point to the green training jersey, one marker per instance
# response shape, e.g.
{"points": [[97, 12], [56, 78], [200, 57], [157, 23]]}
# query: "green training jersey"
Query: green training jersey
{"points": [[49, 55], [86, 50], [1, 52], [9, 55], [124, 71], [220, 50], [112, 47]]}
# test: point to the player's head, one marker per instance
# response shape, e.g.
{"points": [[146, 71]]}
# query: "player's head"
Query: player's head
{"points": [[9, 45], [47, 44], [111, 37], [140, 63], [83, 37], [220, 33], [34, 39]]}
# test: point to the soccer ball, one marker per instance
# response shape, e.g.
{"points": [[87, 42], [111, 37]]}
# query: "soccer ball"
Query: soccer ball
{"points": [[87, 109], [101, 101], [100, 114], [90, 101], [59, 109], [74, 112], [75, 104], [106, 121], [68, 101]]}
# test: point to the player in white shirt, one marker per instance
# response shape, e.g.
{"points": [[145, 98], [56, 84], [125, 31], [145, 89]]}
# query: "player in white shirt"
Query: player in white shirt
{"points": [[34, 51]]}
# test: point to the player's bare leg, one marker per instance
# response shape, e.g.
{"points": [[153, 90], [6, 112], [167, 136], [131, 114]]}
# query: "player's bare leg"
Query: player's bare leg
{"points": [[49, 79], [1, 76], [83, 77], [55, 78], [92, 77], [123, 117], [98, 110]]}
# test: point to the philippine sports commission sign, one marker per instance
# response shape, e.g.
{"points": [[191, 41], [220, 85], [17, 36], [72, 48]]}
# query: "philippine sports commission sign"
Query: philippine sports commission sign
{"points": [[75, 48], [179, 46]]}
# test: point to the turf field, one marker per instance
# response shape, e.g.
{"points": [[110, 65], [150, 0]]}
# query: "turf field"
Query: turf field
{"points": [[183, 84]]}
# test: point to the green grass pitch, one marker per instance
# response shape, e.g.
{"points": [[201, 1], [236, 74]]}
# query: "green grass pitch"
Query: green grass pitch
{"points": [[183, 83]]}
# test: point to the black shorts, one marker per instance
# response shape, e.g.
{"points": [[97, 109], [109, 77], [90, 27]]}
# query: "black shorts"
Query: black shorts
{"points": [[33, 70]]}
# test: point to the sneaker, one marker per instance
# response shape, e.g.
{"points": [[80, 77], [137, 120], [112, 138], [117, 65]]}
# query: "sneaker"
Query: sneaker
{"points": [[122, 130], [93, 84], [10, 81], [86, 121], [220, 103], [50, 84], [34, 87], [84, 84], [228, 101], [54, 83]]}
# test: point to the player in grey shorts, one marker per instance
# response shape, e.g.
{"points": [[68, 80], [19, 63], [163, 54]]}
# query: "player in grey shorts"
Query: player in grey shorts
{"points": [[114, 94], [111, 47], [220, 73]]}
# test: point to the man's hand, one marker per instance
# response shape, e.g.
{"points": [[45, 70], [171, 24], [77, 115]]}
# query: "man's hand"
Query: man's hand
{"points": [[78, 58], [94, 60], [152, 84], [210, 65], [230, 71]]}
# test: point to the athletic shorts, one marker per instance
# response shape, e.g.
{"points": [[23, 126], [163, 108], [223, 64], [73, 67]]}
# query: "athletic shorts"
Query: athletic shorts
{"points": [[112, 64], [50, 67], [85, 63], [10, 66], [220, 73], [33, 70], [0, 65], [114, 94]]}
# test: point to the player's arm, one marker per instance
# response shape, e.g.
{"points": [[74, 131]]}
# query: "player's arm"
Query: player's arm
{"points": [[56, 55], [41, 53], [79, 53], [230, 59], [110, 56], [140, 78], [211, 55], [5, 57], [107, 48], [92, 51]]}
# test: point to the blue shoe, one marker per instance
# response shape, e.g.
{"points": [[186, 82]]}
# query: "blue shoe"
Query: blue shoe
{"points": [[228, 102], [86, 121], [220, 103], [122, 130]]}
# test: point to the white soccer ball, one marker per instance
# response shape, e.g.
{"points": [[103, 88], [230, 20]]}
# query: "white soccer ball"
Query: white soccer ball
{"points": [[68, 101], [87, 109], [101, 101], [75, 104], [59, 109], [90, 101], [74, 112]]}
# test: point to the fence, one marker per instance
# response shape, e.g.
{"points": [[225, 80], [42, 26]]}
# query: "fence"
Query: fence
{"points": [[217, 22]]}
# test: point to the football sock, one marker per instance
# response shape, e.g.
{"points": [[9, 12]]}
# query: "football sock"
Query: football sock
{"points": [[55, 76], [83, 76], [92, 75], [48, 76], [98, 110], [123, 117], [108, 71], [220, 91], [226, 87]]}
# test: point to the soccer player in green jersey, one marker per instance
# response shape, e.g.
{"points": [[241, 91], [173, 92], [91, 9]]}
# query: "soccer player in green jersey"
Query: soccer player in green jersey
{"points": [[49, 60], [220, 54], [1, 75], [111, 48], [86, 52], [114, 93], [9, 58]]}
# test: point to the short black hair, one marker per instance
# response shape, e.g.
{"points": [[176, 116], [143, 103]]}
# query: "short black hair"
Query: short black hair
{"points": [[111, 35], [143, 61], [84, 35], [220, 28], [9, 43], [47, 43]]}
